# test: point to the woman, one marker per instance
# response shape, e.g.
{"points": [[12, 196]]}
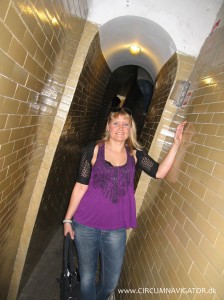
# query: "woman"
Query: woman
{"points": [[102, 204]]}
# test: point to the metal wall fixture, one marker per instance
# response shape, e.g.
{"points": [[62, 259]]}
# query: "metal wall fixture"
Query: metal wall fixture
{"points": [[179, 92]]}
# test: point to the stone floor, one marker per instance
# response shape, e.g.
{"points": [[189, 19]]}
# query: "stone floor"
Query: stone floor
{"points": [[43, 283]]}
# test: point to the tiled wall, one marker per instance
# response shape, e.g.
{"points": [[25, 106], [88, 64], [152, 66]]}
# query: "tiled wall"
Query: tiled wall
{"points": [[38, 42], [180, 238], [179, 241], [161, 112], [83, 125], [164, 83]]}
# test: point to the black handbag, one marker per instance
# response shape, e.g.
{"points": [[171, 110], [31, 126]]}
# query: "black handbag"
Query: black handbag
{"points": [[69, 282]]}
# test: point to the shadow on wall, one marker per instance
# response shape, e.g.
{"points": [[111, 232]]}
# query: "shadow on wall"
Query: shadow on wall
{"points": [[54, 202]]}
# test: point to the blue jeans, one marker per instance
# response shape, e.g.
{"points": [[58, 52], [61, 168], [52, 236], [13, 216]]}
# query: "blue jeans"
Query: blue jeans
{"points": [[110, 245]]}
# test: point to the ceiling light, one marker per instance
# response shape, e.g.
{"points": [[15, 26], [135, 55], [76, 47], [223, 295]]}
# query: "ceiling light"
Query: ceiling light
{"points": [[134, 50]]}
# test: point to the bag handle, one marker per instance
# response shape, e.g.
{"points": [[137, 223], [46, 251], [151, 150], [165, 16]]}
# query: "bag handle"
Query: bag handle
{"points": [[65, 253], [72, 256], [69, 254]]}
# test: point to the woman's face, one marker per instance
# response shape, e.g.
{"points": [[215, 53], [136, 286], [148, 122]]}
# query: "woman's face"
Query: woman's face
{"points": [[119, 128]]}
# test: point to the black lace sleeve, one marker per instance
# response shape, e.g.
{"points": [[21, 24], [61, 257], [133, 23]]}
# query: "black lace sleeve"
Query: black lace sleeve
{"points": [[85, 166], [146, 163]]}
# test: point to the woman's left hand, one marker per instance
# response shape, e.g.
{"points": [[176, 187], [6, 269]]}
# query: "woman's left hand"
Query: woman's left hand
{"points": [[179, 133]]}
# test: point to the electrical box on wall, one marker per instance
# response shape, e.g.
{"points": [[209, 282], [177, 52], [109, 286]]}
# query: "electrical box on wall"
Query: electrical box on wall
{"points": [[179, 92]]}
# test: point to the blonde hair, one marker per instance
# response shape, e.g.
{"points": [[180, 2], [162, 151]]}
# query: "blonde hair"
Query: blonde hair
{"points": [[131, 142]]}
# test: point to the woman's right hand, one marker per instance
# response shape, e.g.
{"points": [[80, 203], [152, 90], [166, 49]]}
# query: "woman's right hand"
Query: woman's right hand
{"points": [[68, 229]]}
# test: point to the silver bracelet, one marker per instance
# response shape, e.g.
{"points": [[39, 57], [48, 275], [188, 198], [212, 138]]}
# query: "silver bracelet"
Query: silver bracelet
{"points": [[67, 221]]}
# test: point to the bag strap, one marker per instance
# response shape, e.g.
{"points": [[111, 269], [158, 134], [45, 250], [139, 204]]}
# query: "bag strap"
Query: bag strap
{"points": [[69, 255], [66, 253], [72, 254]]}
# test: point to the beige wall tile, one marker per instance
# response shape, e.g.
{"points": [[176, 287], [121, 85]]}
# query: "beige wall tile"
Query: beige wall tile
{"points": [[6, 64], [215, 280], [22, 93], [3, 120], [205, 165], [212, 255], [4, 136], [217, 118], [19, 75], [210, 129], [40, 37], [182, 235], [219, 244], [4, 184], [193, 231], [179, 215], [3, 174], [4, 6], [201, 207], [211, 98], [15, 24], [216, 107], [214, 142], [206, 228], [29, 43], [6, 149], [190, 158], [198, 100], [1, 165], [201, 150], [205, 118], [197, 188], [13, 121], [188, 209], [7, 87], [218, 154], [218, 171], [220, 130], [17, 52], [197, 277], [197, 256], [201, 108], [184, 277]]}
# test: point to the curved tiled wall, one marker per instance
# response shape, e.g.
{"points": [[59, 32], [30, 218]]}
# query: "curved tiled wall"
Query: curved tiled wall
{"points": [[179, 241]]}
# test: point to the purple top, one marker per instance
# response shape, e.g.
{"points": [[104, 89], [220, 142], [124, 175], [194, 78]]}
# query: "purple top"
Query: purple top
{"points": [[109, 201]]}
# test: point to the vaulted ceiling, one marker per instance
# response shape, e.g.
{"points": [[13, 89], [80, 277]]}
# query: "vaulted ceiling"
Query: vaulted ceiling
{"points": [[117, 35], [159, 27]]}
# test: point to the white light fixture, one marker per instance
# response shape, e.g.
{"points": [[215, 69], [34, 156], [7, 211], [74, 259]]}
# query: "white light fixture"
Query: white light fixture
{"points": [[134, 50]]}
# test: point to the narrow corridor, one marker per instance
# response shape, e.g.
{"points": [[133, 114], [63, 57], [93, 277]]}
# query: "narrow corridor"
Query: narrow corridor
{"points": [[61, 64]]}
